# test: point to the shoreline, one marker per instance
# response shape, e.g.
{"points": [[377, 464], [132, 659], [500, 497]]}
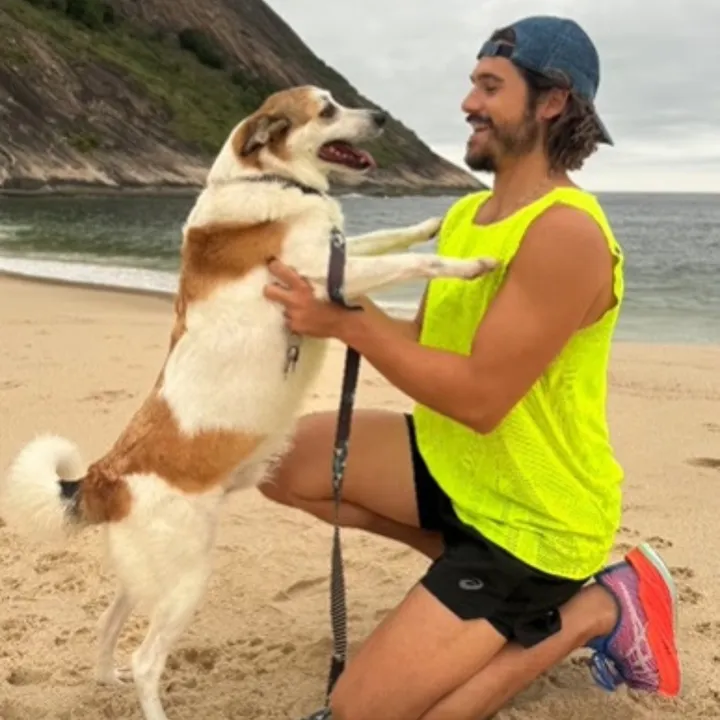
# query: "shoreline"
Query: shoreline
{"points": [[77, 190]]}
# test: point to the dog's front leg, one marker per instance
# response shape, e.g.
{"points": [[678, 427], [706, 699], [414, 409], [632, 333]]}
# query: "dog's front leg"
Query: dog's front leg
{"points": [[382, 241], [365, 275]]}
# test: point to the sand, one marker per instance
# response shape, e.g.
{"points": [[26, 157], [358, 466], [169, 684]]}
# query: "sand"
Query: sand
{"points": [[79, 361]]}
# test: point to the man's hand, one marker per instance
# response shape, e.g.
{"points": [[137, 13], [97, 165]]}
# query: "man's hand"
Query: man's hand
{"points": [[304, 313]]}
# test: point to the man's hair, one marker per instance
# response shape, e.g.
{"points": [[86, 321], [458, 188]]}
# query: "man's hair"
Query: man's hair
{"points": [[572, 136]]}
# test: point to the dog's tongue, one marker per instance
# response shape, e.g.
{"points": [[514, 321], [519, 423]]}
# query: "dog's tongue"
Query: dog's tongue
{"points": [[345, 154]]}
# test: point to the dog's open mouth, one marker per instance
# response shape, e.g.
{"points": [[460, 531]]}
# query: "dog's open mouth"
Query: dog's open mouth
{"points": [[343, 153]]}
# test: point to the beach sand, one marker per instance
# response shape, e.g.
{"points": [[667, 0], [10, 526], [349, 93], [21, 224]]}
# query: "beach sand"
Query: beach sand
{"points": [[78, 362]]}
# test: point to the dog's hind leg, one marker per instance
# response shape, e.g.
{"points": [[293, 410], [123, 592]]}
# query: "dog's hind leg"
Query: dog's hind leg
{"points": [[170, 618], [111, 625]]}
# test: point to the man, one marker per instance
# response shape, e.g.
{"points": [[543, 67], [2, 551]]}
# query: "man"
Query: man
{"points": [[504, 474]]}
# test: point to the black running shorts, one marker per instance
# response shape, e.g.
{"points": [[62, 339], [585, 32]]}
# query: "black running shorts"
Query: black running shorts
{"points": [[475, 578]]}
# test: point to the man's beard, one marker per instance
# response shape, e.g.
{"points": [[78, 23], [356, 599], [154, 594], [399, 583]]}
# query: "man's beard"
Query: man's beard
{"points": [[511, 141]]}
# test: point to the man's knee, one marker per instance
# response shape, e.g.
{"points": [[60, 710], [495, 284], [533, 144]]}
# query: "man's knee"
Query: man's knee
{"points": [[292, 478], [345, 706]]}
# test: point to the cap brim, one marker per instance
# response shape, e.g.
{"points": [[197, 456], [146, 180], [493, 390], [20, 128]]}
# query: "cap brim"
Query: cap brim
{"points": [[605, 137]]}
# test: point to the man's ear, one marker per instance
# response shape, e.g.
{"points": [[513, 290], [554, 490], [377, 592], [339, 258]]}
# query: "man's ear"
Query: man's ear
{"points": [[261, 130], [554, 103]]}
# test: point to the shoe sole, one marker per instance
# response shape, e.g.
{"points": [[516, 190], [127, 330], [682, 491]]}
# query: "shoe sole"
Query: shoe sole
{"points": [[657, 589]]}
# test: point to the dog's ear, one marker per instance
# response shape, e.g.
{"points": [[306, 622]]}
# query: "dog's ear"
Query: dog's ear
{"points": [[261, 131]]}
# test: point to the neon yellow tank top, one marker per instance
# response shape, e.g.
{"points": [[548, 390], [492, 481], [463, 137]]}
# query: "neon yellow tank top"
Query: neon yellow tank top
{"points": [[545, 484]]}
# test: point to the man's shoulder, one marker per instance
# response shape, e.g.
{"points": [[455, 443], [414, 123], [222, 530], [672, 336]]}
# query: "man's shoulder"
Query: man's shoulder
{"points": [[565, 239], [566, 227]]}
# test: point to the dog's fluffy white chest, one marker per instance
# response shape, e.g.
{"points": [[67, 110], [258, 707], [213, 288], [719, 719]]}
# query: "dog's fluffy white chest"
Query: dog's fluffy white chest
{"points": [[227, 372]]}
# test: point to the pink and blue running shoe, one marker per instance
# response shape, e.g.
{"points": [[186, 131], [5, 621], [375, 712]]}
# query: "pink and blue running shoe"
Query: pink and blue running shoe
{"points": [[640, 651]]}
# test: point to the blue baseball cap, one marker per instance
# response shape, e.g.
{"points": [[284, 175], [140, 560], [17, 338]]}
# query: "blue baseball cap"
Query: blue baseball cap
{"points": [[557, 48]]}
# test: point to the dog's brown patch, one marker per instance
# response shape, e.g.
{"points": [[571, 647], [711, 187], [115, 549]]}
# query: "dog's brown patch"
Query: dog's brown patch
{"points": [[219, 253], [154, 443], [104, 498], [279, 115]]}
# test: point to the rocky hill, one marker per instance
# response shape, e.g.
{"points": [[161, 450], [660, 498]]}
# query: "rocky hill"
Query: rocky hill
{"points": [[141, 93]]}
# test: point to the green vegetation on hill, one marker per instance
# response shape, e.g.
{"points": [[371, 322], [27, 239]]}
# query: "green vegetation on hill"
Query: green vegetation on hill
{"points": [[202, 102], [186, 76]]}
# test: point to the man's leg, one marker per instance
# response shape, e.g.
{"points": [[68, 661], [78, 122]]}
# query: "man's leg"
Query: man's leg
{"points": [[418, 654], [378, 488], [589, 614], [453, 665], [628, 617], [455, 669], [425, 663]]}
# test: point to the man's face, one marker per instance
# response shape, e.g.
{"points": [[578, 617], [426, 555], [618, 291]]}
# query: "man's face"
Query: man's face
{"points": [[503, 127]]}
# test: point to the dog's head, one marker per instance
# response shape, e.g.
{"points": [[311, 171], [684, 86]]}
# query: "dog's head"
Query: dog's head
{"points": [[302, 133]]}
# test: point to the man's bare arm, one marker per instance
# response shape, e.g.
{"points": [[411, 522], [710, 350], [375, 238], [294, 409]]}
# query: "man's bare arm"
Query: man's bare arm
{"points": [[407, 328]]}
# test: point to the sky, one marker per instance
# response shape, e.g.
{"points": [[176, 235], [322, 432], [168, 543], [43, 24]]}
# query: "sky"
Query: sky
{"points": [[659, 90]]}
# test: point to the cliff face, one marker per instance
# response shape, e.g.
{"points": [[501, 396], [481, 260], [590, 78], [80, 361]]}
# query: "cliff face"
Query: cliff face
{"points": [[141, 93]]}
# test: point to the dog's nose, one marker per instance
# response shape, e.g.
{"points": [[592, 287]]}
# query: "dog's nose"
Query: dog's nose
{"points": [[379, 117]]}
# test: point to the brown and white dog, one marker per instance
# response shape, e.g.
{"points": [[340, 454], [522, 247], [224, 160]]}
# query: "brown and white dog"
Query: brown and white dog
{"points": [[222, 409]]}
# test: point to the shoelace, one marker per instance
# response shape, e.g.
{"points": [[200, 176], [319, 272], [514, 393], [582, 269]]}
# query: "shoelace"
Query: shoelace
{"points": [[605, 672]]}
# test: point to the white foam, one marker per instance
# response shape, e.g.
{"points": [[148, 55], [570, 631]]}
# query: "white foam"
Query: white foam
{"points": [[114, 276]]}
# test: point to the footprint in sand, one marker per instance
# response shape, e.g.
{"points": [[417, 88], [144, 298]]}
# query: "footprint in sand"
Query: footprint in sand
{"points": [[51, 561], [203, 658], [682, 573], [22, 677], [659, 543], [709, 629], [298, 588], [689, 596], [704, 462], [18, 628], [686, 593], [108, 396], [628, 531]]}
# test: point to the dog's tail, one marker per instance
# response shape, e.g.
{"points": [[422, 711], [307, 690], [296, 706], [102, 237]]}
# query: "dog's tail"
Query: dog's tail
{"points": [[46, 494]]}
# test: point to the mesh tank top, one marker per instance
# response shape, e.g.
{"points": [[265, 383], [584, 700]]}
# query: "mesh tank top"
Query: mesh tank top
{"points": [[545, 484]]}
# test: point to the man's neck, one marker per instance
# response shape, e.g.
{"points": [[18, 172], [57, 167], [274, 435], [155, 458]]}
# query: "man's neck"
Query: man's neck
{"points": [[523, 182]]}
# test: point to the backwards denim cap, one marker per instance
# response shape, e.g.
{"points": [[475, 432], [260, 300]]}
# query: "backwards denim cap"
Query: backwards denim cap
{"points": [[560, 50]]}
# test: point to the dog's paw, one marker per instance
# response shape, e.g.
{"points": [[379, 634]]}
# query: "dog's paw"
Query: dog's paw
{"points": [[115, 677], [427, 229], [480, 266], [463, 269]]}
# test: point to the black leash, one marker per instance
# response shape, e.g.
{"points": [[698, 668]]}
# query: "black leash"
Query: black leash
{"points": [[338, 607]]}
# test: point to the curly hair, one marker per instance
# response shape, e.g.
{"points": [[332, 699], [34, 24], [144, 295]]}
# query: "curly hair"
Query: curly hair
{"points": [[573, 136]]}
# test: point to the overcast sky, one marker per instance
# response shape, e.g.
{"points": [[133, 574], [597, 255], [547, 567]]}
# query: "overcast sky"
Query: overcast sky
{"points": [[660, 74]]}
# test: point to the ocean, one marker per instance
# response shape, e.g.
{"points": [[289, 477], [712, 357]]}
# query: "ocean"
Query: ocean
{"points": [[671, 241]]}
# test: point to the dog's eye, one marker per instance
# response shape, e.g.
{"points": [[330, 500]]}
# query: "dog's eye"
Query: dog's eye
{"points": [[329, 111]]}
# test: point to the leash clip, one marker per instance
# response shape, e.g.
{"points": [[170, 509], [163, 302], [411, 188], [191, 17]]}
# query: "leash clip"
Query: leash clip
{"points": [[292, 354]]}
